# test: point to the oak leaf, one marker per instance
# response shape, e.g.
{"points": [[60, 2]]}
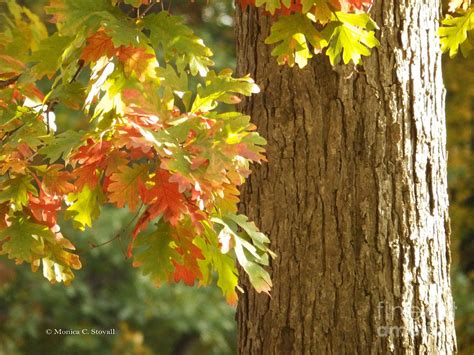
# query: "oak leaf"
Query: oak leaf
{"points": [[85, 207], [56, 180], [137, 60], [163, 199], [126, 184], [98, 45], [156, 252]]}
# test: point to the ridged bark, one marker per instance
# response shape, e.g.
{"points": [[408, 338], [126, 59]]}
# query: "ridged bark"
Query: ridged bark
{"points": [[354, 195]]}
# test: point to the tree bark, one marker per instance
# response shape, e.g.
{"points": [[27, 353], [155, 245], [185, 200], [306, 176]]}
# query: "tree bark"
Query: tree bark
{"points": [[354, 195]]}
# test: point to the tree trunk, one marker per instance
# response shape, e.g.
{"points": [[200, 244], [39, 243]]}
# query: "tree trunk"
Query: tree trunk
{"points": [[354, 196]]}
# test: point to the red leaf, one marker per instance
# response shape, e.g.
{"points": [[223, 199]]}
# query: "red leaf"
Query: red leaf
{"points": [[254, 154], [86, 175], [163, 199], [92, 159], [189, 271], [98, 46], [185, 273], [115, 160], [91, 153], [3, 215]]}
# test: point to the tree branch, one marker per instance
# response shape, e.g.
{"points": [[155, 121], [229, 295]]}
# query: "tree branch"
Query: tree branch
{"points": [[5, 83]]}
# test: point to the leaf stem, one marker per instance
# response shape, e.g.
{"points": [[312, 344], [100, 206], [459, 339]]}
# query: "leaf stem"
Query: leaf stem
{"points": [[148, 8]]}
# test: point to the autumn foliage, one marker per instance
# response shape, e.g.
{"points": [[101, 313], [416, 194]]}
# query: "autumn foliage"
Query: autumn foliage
{"points": [[155, 136], [152, 141]]}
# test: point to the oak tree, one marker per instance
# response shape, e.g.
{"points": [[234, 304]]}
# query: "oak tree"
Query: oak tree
{"points": [[353, 197]]}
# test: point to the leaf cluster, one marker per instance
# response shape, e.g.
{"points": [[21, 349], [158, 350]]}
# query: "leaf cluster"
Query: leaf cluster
{"points": [[457, 29], [342, 29], [154, 138]]}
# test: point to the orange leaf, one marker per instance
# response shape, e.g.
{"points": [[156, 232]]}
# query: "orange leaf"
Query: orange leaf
{"points": [[98, 45], [92, 159], [57, 181], [163, 199], [189, 271], [44, 209], [126, 184], [135, 60]]}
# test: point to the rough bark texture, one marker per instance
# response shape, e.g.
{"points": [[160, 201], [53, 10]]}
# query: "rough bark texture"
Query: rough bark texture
{"points": [[354, 196]]}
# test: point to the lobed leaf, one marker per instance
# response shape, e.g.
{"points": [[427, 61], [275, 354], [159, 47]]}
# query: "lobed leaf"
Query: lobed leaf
{"points": [[85, 207], [293, 34], [177, 41], [350, 36], [454, 33]]}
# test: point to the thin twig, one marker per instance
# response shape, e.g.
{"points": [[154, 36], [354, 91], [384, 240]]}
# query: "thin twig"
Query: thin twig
{"points": [[78, 71], [118, 235], [148, 8], [93, 246]]}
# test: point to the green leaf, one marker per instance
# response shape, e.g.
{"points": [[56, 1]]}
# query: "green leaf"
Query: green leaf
{"points": [[22, 240], [16, 190], [250, 257], [222, 88], [27, 241], [72, 16], [155, 252], [350, 36], [177, 41], [8, 114], [293, 34], [272, 5], [61, 145], [85, 207], [20, 30], [215, 260], [30, 131], [58, 261], [322, 12], [71, 95], [49, 54], [123, 31], [359, 20], [454, 33], [174, 85], [258, 238], [134, 3]]}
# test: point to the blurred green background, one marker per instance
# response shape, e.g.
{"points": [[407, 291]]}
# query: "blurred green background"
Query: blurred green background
{"points": [[108, 293]]}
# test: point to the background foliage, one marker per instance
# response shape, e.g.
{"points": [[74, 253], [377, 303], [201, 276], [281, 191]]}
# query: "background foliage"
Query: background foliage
{"points": [[109, 293], [460, 118]]}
